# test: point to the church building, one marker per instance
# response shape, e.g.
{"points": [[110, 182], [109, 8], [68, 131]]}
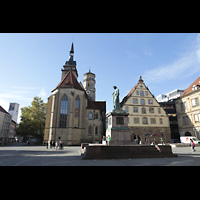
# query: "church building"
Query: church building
{"points": [[147, 119], [73, 114]]}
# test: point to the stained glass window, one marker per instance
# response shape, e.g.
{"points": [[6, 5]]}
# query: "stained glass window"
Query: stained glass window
{"points": [[63, 112]]}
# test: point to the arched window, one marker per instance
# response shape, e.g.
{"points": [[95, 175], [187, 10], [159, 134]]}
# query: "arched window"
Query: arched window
{"points": [[96, 130], [77, 111], [143, 110], [90, 116], [141, 93], [90, 130], [188, 134], [142, 102], [144, 120], [63, 112]]}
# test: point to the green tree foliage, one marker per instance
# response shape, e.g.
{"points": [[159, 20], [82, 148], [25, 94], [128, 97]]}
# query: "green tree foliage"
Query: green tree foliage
{"points": [[33, 119]]}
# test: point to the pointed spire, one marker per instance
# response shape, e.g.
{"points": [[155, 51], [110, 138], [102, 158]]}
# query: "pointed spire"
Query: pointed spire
{"points": [[71, 53], [72, 49], [70, 64]]}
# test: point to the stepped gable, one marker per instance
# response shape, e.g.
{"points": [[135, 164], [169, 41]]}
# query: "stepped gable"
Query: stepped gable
{"points": [[69, 81]]}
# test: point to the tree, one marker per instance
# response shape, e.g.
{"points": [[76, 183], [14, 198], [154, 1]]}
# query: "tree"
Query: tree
{"points": [[33, 119]]}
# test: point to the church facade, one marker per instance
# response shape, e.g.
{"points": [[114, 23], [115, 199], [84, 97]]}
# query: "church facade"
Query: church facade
{"points": [[73, 114]]}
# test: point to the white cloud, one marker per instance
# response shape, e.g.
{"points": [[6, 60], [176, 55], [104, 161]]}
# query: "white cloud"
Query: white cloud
{"points": [[183, 67], [42, 94], [148, 52], [4, 104], [16, 94], [131, 54], [19, 94]]}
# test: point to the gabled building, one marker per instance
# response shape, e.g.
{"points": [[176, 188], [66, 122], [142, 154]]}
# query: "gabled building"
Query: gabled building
{"points": [[73, 114], [188, 110], [147, 119]]}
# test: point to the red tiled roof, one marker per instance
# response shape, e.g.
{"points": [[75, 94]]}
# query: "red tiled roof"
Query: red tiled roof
{"points": [[69, 81], [128, 95], [189, 89]]}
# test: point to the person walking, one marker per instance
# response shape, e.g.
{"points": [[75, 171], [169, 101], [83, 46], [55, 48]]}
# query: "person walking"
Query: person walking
{"points": [[56, 145], [47, 145], [50, 144], [61, 145], [109, 139], [192, 145]]}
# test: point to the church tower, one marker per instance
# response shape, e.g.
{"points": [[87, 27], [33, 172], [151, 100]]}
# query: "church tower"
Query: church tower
{"points": [[72, 116], [89, 85], [70, 64]]}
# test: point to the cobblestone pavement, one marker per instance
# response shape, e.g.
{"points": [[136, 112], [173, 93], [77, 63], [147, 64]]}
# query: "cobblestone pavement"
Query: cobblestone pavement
{"points": [[71, 156]]}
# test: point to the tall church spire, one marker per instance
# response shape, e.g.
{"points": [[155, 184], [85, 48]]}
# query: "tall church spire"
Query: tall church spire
{"points": [[72, 49], [70, 64]]}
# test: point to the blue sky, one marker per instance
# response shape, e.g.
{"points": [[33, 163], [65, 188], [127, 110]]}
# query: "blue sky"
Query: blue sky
{"points": [[31, 63]]}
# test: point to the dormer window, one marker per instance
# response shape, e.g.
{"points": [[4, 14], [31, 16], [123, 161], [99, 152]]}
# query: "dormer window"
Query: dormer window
{"points": [[195, 87]]}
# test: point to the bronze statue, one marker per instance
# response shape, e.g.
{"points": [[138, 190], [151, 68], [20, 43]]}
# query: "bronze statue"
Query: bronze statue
{"points": [[116, 99]]}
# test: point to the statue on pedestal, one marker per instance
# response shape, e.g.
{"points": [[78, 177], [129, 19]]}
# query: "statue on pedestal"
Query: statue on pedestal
{"points": [[117, 127], [116, 103]]}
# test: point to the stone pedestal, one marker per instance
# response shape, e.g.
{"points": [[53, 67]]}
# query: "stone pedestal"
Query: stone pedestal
{"points": [[117, 127]]}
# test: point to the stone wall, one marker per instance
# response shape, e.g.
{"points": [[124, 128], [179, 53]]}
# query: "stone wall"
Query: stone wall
{"points": [[145, 133]]}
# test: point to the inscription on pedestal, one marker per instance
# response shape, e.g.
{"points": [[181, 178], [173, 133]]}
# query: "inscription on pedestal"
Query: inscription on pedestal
{"points": [[119, 120]]}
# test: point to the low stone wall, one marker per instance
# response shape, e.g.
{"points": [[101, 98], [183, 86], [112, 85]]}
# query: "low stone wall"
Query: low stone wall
{"points": [[120, 152]]}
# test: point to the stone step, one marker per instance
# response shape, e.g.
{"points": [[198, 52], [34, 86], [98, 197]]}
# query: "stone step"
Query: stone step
{"points": [[127, 156]]}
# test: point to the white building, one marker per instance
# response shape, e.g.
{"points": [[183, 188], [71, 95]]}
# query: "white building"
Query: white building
{"points": [[169, 96], [14, 110]]}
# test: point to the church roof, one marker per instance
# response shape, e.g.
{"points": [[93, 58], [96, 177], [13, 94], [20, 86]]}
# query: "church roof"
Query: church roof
{"points": [[189, 89], [69, 81], [96, 105]]}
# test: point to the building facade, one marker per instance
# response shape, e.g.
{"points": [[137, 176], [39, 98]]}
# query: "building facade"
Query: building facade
{"points": [[170, 109], [12, 131], [73, 115], [188, 110], [169, 96], [5, 121], [147, 119], [14, 110]]}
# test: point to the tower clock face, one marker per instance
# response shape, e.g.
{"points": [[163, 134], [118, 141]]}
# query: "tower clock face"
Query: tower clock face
{"points": [[88, 92]]}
